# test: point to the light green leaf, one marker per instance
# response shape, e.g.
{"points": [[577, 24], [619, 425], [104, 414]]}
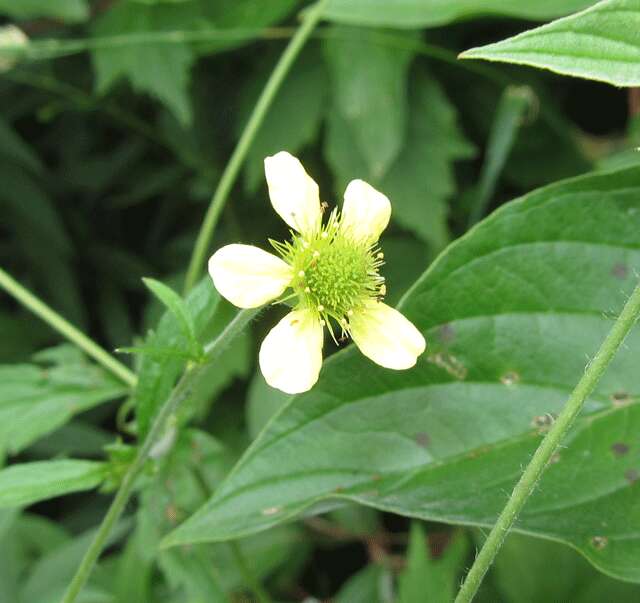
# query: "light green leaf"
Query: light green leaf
{"points": [[161, 70], [432, 13], [27, 483], [600, 43], [158, 374], [511, 313], [433, 580], [177, 306], [36, 399], [369, 88], [66, 10], [421, 180]]}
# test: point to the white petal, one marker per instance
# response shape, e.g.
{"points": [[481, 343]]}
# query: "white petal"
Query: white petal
{"points": [[366, 211], [386, 336], [294, 194], [248, 276], [291, 354]]}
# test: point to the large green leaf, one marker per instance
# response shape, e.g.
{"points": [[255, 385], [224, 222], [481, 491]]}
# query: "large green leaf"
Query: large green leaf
{"points": [[36, 399], [369, 89], [512, 312], [28, 483], [600, 43], [431, 13]]}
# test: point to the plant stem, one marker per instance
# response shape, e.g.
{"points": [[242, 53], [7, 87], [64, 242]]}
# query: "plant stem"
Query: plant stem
{"points": [[65, 328], [311, 18], [167, 410], [547, 447]]}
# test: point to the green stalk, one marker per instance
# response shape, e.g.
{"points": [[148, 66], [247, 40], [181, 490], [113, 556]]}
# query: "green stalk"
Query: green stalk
{"points": [[548, 446], [180, 392], [311, 18], [65, 328]]}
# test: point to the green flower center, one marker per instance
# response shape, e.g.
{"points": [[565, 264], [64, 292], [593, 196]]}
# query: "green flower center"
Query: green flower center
{"points": [[334, 274]]}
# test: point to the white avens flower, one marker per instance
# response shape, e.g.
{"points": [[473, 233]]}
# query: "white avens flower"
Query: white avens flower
{"points": [[332, 270]]}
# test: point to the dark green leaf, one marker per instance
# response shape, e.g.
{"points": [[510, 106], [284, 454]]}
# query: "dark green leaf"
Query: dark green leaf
{"points": [[373, 584], [431, 13], [27, 483], [369, 88], [161, 70], [421, 180], [600, 43], [511, 313], [292, 121]]}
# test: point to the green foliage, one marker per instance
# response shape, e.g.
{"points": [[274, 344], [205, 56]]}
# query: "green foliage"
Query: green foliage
{"points": [[117, 126], [36, 399], [600, 43]]}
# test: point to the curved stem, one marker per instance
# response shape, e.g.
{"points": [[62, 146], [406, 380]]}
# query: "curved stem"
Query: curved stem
{"points": [[167, 410], [547, 447], [311, 18], [65, 328]]}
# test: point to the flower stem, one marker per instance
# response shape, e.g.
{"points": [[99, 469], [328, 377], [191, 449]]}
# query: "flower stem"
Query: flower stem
{"points": [[547, 447], [65, 328], [180, 392], [311, 18]]}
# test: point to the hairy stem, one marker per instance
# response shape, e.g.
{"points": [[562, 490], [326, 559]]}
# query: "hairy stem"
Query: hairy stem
{"points": [[65, 328], [548, 446], [180, 392], [312, 17]]}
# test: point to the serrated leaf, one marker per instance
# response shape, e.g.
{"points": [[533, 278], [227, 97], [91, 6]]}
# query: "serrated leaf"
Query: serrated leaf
{"points": [[369, 89], [177, 306], [36, 399], [27, 483], [161, 70], [511, 313], [600, 43], [413, 14], [67, 10]]}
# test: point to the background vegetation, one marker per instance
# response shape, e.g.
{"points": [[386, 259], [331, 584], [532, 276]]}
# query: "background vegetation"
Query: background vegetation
{"points": [[116, 123]]}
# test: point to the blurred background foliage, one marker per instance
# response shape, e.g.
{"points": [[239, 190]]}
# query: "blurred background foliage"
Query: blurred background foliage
{"points": [[110, 149]]}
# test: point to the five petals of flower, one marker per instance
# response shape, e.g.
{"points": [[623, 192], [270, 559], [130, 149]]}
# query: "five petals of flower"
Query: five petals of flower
{"points": [[332, 269]]}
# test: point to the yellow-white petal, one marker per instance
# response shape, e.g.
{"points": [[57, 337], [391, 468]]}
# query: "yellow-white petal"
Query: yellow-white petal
{"points": [[385, 336], [291, 354], [366, 211], [294, 194], [248, 276]]}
